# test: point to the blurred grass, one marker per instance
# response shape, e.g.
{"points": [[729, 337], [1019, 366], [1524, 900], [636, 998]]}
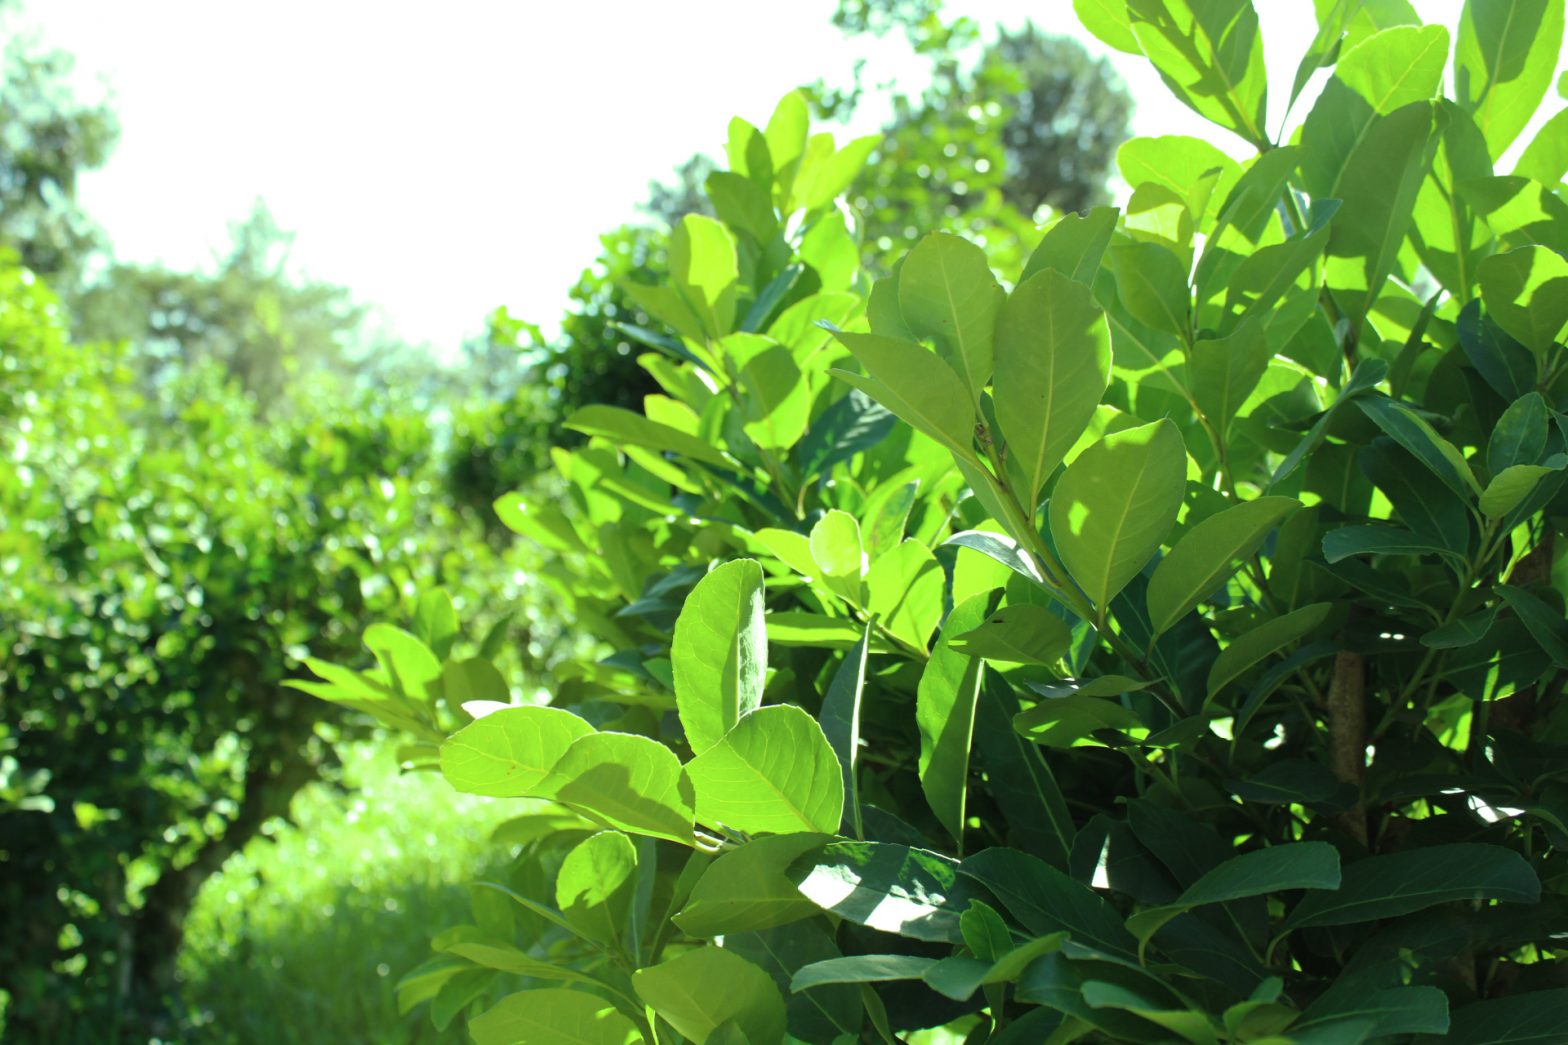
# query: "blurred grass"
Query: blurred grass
{"points": [[303, 936]]}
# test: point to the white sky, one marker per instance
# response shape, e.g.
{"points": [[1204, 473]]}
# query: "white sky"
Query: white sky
{"points": [[442, 160]]}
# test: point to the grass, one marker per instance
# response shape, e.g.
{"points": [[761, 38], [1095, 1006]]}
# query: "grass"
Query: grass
{"points": [[303, 936]]}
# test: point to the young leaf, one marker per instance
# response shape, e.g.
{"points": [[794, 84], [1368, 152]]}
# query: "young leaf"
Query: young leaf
{"points": [[624, 781], [836, 549], [904, 592], [773, 773], [1509, 488], [1053, 361], [745, 889], [1115, 504], [553, 1016], [1208, 554], [595, 885], [1526, 292], [947, 293], [508, 754], [945, 716], [719, 655], [1503, 66], [1023, 633], [922, 389], [699, 990]]}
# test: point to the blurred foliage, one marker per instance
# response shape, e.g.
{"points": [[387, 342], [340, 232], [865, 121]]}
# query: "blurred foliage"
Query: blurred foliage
{"points": [[47, 139], [311, 919], [167, 557]]}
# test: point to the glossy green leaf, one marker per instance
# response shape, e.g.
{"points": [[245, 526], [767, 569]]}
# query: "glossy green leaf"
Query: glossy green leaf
{"points": [[840, 719], [861, 968], [1053, 361], [773, 773], [1503, 65], [1526, 292], [1107, 19], [1197, 171], [704, 265], [746, 889], [681, 991], [1509, 488], [1378, 540], [836, 549], [1519, 436], [945, 717], [1294, 865], [1115, 504], [1045, 900], [892, 888], [1152, 283], [1413, 433], [594, 887], [1023, 633], [624, 426], [627, 782], [553, 1016], [1224, 371], [904, 592], [1545, 159], [1380, 887], [1533, 1017], [1073, 245], [947, 293], [1210, 55], [1208, 554], [1062, 721], [508, 754], [719, 655], [1545, 624], [921, 388], [959, 977], [1267, 638]]}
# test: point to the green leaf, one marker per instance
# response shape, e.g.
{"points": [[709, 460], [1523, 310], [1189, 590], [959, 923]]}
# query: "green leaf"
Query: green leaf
{"points": [[1045, 900], [1062, 721], [1053, 362], [1029, 797], [1503, 65], [1378, 187], [627, 782], [1366, 376], [1023, 633], [508, 754], [1224, 371], [1504, 363], [1509, 488], [1410, 431], [1534, 1017], [888, 887], [1152, 283], [1293, 865], [947, 293], [408, 662], [701, 989], [1208, 554], [1394, 1010], [1526, 292], [1325, 46], [435, 622], [922, 389], [1210, 55], [595, 885], [1519, 436], [1190, 1026], [1379, 540], [773, 773], [945, 717], [959, 977], [1270, 637], [746, 890], [553, 1016], [904, 592], [1107, 19], [860, 968], [836, 549], [624, 426], [1115, 504], [1382, 887], [840, 719], [1073, 245], [706, 271], [1545, 159], [1197, 171], [719, 655], [1544, 623], [1465, 631]]}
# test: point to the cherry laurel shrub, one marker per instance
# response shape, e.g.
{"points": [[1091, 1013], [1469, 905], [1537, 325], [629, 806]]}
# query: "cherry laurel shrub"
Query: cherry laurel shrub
{"points": [[1165, 644]]}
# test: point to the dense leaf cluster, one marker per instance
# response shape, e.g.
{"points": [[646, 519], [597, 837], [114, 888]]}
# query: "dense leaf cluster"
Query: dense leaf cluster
{"points": [[1164, 644]]}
